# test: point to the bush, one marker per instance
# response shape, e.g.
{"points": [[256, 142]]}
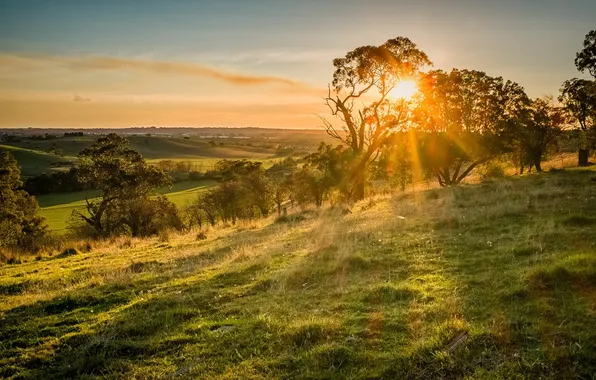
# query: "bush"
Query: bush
{"points": [[492, 171]]}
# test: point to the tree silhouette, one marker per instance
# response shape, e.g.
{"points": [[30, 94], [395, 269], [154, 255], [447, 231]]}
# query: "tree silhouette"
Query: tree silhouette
{"points": [[541, 124], [586, 58]]}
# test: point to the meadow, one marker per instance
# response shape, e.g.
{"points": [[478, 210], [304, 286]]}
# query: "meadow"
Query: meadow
{"points": [[377, 292]]}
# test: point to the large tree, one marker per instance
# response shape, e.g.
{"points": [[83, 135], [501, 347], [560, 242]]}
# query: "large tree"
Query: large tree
{"points": [[463, 119], [123, 178], [20, 225], [359, 97], [586, 58], [579, 98]]}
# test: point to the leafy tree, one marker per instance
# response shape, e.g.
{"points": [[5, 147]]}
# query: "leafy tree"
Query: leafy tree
{"points": [[203, 208], [143, 216], [359, 97], [586, 58], [464, 119], [579, 98], [309, 186], [20, 225], [542, 124], [324, 171], [122, 176]]}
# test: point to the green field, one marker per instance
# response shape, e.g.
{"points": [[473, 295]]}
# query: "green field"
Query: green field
{"points": [[33, 157], [57, 208], [34, 162], [378, 293]]}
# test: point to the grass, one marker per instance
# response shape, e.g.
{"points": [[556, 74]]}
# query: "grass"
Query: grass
{"points": [[375, 294], [58, 207], [33, 162]]}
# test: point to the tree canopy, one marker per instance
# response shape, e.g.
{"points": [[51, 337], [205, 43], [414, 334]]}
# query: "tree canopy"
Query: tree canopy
{"points": [[123, 177], [586, 58], [20, 225]]}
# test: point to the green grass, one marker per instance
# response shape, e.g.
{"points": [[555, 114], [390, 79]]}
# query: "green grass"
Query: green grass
{"points": [[375, 294], [58, 207], [34, 162]]}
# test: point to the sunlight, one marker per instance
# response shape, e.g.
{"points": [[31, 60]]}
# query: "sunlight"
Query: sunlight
{"points": [[404, 90]]}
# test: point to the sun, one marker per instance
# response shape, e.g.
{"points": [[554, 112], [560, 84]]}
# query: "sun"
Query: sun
{"points": [[404, 89]]}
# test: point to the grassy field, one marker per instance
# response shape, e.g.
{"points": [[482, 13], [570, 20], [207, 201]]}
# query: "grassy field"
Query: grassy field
{"points": [[377, 293], [33, 162], [58, 207], [33, 158]]}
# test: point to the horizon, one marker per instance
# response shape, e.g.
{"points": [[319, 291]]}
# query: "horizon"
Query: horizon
{"points": [[265, 64]]}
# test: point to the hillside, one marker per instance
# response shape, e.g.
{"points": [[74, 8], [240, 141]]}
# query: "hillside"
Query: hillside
{"points": [[33, 156], [375, 293], [33, 162], [201, 145]]}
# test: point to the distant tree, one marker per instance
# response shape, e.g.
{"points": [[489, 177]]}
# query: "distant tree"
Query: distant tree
{"points": [[586, 58], [143, 216], [20, 225], [464, 118], [122, 176], [359, 97], [541, 124], [579, 99]]}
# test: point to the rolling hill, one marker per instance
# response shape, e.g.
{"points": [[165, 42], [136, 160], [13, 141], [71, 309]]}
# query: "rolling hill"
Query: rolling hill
{"points": [[507, 267]]}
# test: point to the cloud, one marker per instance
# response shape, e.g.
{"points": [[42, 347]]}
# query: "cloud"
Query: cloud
{"points": [[79, 98], [155, 67]]}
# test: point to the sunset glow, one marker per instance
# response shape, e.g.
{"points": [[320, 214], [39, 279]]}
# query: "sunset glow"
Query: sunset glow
{"points": [[404, 90]]}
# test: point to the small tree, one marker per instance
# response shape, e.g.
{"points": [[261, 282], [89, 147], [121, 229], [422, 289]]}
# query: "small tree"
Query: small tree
{"points": [[281, 176], [20, 225], [122, 176]]}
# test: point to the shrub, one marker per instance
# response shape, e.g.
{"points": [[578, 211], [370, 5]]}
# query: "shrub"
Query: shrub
{"points": [[493, 170]]}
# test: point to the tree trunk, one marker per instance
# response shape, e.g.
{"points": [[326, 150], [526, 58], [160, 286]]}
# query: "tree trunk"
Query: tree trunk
{"points": [[583, 155], [537, 163], [358, 187]]}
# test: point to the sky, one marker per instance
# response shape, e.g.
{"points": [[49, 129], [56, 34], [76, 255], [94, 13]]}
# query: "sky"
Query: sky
{"points": [[264, 63]]}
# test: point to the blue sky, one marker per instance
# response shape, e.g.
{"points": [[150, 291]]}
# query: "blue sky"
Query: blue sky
{"points": [[529, 41]]}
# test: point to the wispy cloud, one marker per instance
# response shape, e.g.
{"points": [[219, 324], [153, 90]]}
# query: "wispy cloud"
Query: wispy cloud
{"points": [[79, 98], [155, 67]]}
